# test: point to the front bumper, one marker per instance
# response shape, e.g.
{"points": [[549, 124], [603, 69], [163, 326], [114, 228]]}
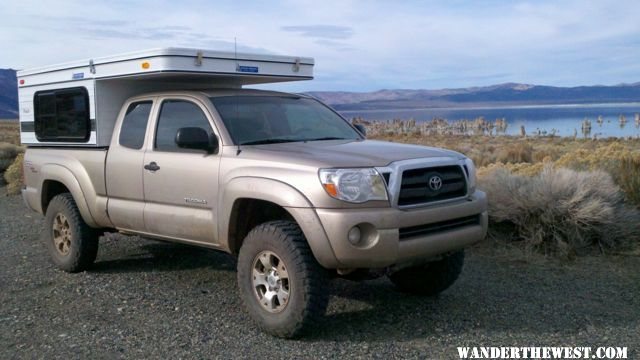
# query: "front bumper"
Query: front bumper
{"points": [[383, 244]]}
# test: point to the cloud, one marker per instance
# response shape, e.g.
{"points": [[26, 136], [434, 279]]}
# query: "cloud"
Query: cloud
{"points": [[321, 31]]}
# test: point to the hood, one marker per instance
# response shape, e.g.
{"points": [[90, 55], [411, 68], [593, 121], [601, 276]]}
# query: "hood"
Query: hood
{"points": [[343, 153]]}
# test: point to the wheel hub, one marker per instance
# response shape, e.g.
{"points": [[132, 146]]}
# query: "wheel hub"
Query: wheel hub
{"points": [[270, 281], [61, 234], [273, 279]]}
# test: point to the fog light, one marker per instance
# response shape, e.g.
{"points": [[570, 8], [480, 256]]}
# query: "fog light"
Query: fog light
{"points": [[354, 235]]}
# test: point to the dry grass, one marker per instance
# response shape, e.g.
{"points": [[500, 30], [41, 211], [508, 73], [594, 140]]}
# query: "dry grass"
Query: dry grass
{"points": [[562, 211], [628, 176], [14, 175], [10, 131], [11, 155], [8, 152], [515, 153]]}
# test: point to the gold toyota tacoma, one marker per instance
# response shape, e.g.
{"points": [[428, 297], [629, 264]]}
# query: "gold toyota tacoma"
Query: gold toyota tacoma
{"points": [[279, 180]]}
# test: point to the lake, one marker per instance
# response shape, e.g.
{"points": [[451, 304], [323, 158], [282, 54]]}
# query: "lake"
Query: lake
{"points": [[565, 119]]}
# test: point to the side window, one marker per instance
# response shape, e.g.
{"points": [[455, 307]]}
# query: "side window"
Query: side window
{"points": [[62, 115], [176, 114], [134, 125]]}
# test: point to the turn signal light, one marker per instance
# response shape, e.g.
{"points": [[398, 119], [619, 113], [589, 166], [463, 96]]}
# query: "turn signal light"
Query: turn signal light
{"points": [[331, 189]]}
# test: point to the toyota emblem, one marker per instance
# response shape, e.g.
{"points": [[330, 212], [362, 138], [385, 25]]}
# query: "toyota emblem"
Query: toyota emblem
{"points": [[435, 183]]}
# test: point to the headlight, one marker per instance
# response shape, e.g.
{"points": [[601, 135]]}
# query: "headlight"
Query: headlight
{"points": [[471, 174], [354, 185]]}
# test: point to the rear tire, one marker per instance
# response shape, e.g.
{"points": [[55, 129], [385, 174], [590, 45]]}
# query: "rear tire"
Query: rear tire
{"points": [[72, 244], [282, 285], [431, 278]]}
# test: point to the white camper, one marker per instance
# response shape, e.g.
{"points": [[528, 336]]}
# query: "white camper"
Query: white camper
{"points": [[77, 103]]}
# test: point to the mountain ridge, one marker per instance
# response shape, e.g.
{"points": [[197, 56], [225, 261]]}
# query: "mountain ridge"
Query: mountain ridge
{"points": [[496, 95], [8, 94]]}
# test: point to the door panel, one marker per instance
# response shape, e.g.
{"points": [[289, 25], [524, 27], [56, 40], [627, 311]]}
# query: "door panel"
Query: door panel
{"points": [[124, 168], [181, 194]]}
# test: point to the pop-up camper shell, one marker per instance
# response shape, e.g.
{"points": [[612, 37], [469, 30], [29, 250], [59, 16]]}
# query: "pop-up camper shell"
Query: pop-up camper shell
{"points": [[87, 95]]}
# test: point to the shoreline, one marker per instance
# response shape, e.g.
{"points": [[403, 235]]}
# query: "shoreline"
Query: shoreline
{"points": [[499, 107]]}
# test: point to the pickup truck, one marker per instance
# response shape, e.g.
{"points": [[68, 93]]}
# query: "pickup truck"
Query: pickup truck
{"points": [[279, 180]]}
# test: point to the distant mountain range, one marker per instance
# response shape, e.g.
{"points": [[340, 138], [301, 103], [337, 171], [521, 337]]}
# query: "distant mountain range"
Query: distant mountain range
{"points": [[8, 94], [495, 95]]}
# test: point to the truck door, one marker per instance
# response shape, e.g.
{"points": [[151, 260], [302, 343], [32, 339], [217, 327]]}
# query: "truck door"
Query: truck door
{"points": [[124, 168], [180, 185]]}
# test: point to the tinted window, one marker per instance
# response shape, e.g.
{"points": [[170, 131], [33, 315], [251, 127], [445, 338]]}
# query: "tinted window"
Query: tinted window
{"points": [[263, 119], [134, 125], [176, 114], [62, 115]]}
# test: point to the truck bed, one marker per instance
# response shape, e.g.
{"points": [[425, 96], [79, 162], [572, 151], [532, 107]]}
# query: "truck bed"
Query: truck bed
{"points": [[81, 166]]}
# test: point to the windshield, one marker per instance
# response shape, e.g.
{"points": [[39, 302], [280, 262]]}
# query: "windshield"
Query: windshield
{"points": [[253, 120]]}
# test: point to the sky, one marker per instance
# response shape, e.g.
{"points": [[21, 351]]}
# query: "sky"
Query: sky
{"points": [[357, 45]]}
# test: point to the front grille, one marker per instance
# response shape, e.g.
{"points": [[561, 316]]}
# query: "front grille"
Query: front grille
{"points": [[423, 230], [415, 188]]}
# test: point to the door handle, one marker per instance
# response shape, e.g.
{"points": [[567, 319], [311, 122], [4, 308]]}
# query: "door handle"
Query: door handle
{"points": [[152, 166]]}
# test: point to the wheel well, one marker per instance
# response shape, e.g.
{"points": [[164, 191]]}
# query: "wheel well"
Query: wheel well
{"points": [[247, 214], [51, 188]]}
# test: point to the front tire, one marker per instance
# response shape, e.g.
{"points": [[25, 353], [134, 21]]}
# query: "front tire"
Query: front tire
{"points": [[283, 287], [431, 278], [72, 244]]}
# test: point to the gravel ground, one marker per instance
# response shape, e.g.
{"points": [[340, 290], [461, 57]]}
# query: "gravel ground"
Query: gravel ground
{"points": [[146, 299]]}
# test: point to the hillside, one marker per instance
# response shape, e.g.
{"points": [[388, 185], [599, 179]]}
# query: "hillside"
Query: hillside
{"points": [[8, 94], [503, 94]]}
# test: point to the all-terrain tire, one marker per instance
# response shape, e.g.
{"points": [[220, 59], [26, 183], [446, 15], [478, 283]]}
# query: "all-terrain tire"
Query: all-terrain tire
{"points": [[431, 278], [307, 281], [81, 247]]}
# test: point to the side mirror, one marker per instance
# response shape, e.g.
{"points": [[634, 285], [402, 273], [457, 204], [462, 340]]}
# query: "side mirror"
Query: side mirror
{"points": [[361, 129], [197, 138]]}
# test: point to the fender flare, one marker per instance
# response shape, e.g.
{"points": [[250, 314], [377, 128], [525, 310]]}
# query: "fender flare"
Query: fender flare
{"points": [[281, 194], [64, 176]]}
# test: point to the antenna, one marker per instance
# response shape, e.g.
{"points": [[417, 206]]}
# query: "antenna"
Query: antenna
{"points": [[235, 55]]}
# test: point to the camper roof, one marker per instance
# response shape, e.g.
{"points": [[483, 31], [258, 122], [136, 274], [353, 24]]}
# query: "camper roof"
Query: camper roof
{"points": [[171, 63]]}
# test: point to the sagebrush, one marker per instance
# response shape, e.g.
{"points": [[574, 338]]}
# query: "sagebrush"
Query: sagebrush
{"points": [[8, 153], [14, 176], [562, 211]]}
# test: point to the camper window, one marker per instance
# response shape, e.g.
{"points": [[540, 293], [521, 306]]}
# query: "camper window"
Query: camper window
{"points": [[62, 115]]}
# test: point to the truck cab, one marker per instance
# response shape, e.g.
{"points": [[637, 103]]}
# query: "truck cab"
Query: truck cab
{"points": [[281, 181]]}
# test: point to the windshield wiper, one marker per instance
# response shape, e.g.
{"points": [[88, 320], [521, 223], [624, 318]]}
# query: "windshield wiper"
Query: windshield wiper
{"points": [[327, 138], [269, 141]]}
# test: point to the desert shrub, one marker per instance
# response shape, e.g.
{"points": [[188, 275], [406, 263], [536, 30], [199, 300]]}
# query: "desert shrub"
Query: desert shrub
{"points": [[628, 176], [14, 175], [593, 157], [561, 211], [525, 169], [519, 152], [544, 155], [10, 131], [8, 153]]}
